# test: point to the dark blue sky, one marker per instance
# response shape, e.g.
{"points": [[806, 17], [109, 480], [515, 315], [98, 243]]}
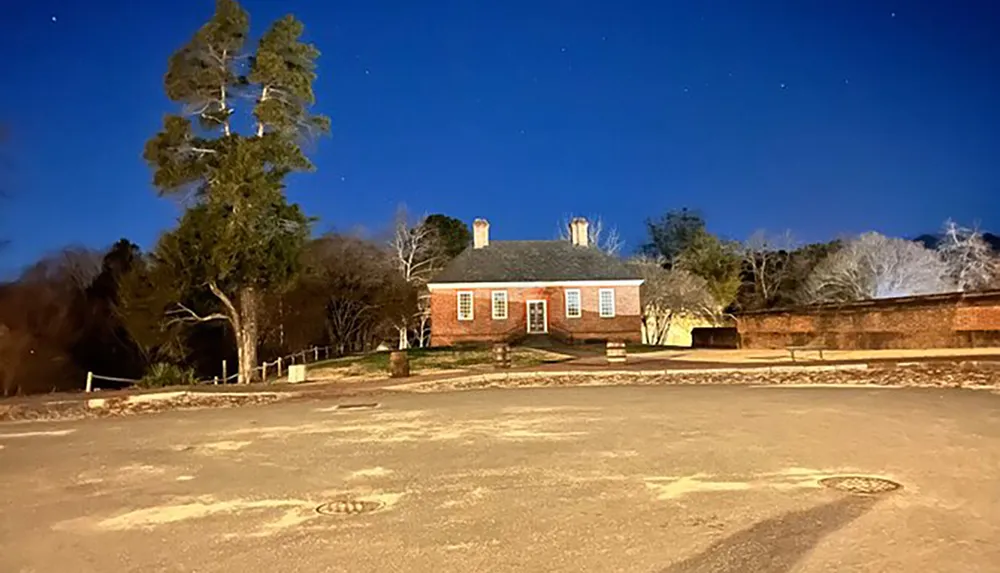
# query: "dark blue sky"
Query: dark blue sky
{"points": [[823, 117]]}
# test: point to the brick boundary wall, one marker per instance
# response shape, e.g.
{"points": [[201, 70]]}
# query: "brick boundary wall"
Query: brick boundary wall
{"points": [[956, 320]]}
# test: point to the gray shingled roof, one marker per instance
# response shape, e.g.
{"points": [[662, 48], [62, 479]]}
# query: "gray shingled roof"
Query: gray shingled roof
{"points": [[523, 261]]}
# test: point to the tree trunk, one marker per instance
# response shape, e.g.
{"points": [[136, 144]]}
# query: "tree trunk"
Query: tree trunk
{"points": [[656, 326], [422, 333], [281, 323], [247, 334], [404, 341], [663, 336]]}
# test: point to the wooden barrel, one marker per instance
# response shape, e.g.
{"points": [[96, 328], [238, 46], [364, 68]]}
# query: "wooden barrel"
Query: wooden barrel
{"points": [[616, 352], [501, 355], [399, 364]]}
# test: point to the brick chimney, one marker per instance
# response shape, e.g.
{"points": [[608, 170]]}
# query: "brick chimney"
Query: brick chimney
{"points": [[480, 233], [578, 232]]}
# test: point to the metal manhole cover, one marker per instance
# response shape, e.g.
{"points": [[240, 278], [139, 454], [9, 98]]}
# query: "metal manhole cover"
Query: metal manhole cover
{"points": [[864, 485], [348, 507]]}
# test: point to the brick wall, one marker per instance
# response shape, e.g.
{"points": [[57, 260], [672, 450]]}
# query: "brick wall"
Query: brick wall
{"points": [[937, 321], [446, 329]]}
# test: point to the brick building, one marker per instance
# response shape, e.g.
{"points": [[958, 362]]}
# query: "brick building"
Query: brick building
{"points": [[954, 320], [506, 290]]}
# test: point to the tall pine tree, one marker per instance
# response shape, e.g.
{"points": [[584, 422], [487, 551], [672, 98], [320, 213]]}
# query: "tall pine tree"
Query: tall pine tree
{"points": [[227, 151]]}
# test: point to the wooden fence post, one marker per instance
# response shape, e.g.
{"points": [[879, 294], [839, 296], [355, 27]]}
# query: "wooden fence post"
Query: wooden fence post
{"points": [[326, 352], [263, 372], [90, 381], [225, 380], [315, 354], [279, 367]]}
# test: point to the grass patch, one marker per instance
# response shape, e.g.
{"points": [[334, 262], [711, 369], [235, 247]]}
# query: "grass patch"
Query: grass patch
{"points": [[432, 359]]}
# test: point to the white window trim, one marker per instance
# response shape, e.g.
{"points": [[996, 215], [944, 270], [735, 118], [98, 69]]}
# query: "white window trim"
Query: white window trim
{"points": [[493, 305], [533, 284], [472, 305], [579, 302], [600, 307]]}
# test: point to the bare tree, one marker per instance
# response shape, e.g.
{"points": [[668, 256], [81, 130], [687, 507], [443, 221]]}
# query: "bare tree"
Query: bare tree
{"points": [[417, 256], [359, 284], [971, 263], [600, 236], [668, 294], [347, 320], [80, 265], [42, 320], [767, 258], [873, 266]]}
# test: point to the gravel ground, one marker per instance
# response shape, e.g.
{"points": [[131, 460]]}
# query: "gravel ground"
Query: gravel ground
{"points": [[926, 376], [123, 406], [645, 479]]}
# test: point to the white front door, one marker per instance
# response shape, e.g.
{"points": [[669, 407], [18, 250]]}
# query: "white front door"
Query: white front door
{"points": [[538, 322]]}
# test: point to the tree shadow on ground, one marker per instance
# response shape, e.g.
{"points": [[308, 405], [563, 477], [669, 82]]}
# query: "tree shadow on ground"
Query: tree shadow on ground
{"points": [[777, 544]]}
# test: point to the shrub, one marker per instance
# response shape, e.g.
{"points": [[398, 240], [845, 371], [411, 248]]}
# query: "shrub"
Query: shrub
{"points": [[164, 374]]}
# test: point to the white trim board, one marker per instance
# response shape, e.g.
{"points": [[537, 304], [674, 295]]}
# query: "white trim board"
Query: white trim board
{"points": [[535, 284]]}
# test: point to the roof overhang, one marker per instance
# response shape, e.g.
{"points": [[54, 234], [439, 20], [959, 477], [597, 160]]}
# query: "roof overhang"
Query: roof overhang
{"points": [[535, 284]]}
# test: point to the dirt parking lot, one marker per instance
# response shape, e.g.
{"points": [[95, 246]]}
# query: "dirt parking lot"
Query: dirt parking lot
{"points": [[657, 479]]}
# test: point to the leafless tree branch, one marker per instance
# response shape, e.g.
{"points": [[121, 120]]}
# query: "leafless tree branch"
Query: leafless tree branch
{"points": [[233, 315], [600, 236], [668, 294], [417, 255], [767, 256], [873, 266], [972, 265], [185, 314]]}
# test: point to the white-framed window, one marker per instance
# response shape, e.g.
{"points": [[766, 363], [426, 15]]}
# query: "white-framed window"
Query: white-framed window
{"points": [[573, 307], [606, 302], [465, 305], [499, 305]]}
